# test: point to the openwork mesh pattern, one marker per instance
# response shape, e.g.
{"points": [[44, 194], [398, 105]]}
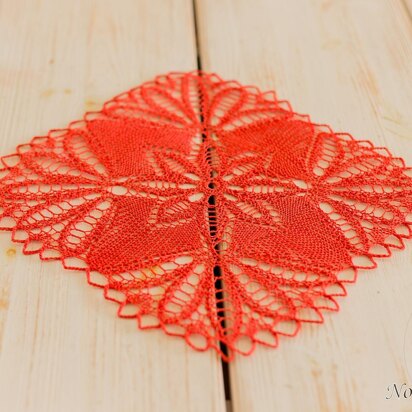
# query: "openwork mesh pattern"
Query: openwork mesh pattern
{"points": [[208, 209]]}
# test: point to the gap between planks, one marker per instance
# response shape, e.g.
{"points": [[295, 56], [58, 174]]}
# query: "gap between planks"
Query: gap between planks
{"points": [[217, 270]]}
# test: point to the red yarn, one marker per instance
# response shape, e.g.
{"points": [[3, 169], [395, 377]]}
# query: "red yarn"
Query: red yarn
{"points": [[211, 209]]}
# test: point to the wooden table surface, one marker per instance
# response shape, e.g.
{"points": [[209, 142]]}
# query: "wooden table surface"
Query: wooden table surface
{"points": [[346, 62]]}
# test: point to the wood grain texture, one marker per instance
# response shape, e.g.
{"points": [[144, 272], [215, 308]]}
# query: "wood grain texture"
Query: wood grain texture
{"points": [[348, 64], [62, 346]]}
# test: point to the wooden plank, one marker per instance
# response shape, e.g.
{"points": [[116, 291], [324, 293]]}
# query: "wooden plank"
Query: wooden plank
{"points": [[408, 8], [62, 346], [348, 64]]}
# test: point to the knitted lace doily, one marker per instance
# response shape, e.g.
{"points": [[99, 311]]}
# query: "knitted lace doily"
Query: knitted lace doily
{"points": [[208, 209]]}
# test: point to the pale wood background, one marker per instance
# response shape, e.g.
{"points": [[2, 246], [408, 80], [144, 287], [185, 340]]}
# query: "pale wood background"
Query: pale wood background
{"points": [[346, 62]]}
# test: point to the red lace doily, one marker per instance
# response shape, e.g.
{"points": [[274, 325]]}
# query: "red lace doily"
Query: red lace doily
{"points": [[208, 209]]}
